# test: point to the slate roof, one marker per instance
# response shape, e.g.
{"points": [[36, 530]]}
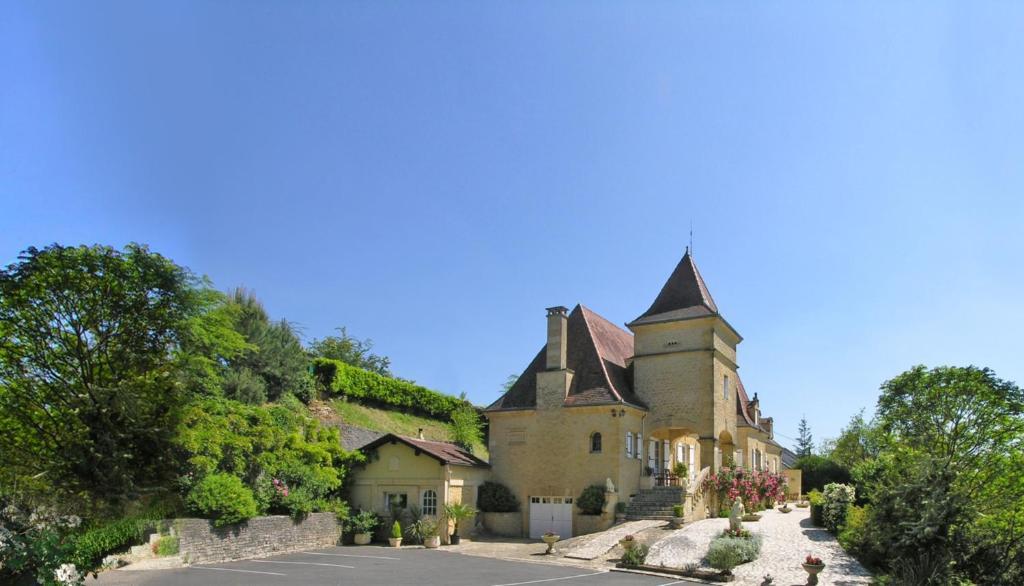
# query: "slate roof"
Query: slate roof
{"points": [[443, 452], [789, 458], [353, 438], [597, 353], [684, 296]]}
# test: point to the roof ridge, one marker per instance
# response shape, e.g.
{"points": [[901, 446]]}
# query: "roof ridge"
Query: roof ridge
{"points": [[600, 359]]}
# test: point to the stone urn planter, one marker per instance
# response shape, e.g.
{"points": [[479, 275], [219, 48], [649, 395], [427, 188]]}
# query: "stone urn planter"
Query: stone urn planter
{"points": [[551, 539], [432, 542], [785, 509], [678, 516], [813, 566], [362, 538], [395, 541], [750, 518]]}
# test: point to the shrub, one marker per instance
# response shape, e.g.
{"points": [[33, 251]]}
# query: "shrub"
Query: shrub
{"points": [[591, 501], [678, 510], [466, 429], [817, 501], [340, 379], [680, 470], [422, 528], [854, 535], [98, 541], [291, 463], [396, 530], [727, 552], [167, 545], [817, 471], [634, 556], [494, 497], [364, 522], [838, 497], [223, 498]]}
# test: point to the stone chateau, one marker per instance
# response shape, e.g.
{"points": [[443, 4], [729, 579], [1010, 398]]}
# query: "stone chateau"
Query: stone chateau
{"points": [[600, 403]]}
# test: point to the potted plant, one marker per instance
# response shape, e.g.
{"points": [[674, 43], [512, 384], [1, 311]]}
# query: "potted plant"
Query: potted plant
{"points": [[551, 539], [456, 513], [620, 512], [362, 526], [813, 566], [396, 535], [785, 508], [424, 530], [628, 542], [678, 516], [682, 473]]}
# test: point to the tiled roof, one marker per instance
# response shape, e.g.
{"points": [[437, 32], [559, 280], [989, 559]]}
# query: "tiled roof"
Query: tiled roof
{"points": [[684, 296], [597, 352], [444, 452]]}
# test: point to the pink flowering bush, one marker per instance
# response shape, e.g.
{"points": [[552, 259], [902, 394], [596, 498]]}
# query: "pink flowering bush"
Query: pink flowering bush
{"points": [[757, 489]]}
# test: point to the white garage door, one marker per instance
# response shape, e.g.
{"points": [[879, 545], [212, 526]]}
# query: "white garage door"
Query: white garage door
{"points": [[551, 513]]}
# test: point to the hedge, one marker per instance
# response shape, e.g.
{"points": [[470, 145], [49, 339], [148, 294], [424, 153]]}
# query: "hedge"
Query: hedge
{"points": [[338, 378]]}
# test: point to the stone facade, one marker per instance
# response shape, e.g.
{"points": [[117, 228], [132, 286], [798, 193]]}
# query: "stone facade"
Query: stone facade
{"points": [[399, 469], [201, 542], [667, 394]]}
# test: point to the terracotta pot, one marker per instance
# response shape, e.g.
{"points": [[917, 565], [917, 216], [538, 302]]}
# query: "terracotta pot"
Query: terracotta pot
{"points": [[395, 541], [813, 570], [363, 538], [627, 544], [433, 542]]}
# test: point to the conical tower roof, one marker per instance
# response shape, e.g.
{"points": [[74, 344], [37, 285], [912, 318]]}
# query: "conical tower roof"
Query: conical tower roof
{"points": [[685, 295]]}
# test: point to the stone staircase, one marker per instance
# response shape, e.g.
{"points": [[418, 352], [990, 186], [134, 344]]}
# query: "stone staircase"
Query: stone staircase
{"points": [[655, 503]]}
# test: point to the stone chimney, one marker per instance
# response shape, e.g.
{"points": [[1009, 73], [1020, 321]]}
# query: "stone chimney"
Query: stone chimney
{"points": [[755, 408], [558, 337], [553, 382]]}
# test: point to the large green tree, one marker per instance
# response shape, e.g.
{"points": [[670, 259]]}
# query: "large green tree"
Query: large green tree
{"points": [[274, 363], [351, 350], [945, 487], [89, 379]]}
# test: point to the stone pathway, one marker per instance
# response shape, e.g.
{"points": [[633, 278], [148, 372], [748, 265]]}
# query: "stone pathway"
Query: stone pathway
{"points": [[595, 545], [786, 540]]}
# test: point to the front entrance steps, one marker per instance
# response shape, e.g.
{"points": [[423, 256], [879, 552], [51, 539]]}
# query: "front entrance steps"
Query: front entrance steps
{"points": [[655, 503]]}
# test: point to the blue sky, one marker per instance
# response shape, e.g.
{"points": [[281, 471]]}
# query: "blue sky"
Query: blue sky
{"points": [[434, 174]]}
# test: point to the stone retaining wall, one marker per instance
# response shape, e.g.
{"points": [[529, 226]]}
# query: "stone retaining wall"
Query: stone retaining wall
{"points": [[503, 524], [200, 541]]}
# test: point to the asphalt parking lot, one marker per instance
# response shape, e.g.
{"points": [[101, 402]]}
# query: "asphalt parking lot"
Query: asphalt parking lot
{"points": [[378, 566]]}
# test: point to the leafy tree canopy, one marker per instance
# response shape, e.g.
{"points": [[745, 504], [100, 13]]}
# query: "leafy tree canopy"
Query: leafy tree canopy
{"points": [[88, 379], [352, 351]]}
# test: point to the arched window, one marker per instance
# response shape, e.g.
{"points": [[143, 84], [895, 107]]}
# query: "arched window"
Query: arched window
{"points": [[429, 503], [629, 444], [595, 442]]}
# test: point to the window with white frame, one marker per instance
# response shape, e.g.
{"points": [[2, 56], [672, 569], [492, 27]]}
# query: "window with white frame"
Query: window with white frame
{"points": [[429, 504], [629, 444]]}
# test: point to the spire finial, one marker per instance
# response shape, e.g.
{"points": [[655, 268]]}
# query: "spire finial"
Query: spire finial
{"points": [[689, 248]]}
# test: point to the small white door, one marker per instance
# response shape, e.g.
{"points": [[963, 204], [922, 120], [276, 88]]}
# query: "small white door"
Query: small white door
{"points": [[551, 513]]}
